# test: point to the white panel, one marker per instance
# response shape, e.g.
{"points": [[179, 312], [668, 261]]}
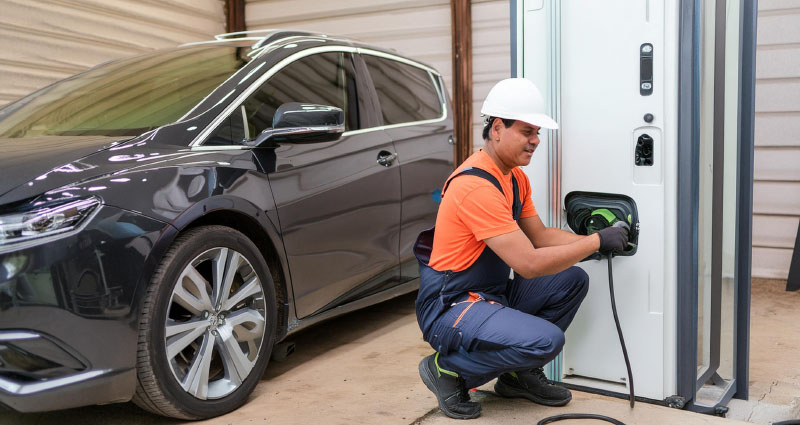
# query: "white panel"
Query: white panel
{"points": [[46, 41], [776, 198], [779, 28], [777, 164], [777, 129], [491, 55], [536, 63], [383, 23], [771, 262], [773, 231], [606, 49]]}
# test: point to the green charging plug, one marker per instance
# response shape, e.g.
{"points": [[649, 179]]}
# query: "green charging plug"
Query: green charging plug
{"points": [[602, 218]]}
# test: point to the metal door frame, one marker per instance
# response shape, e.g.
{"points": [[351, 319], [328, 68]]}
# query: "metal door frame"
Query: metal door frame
{"points": [[688, 202], [688, 197]]}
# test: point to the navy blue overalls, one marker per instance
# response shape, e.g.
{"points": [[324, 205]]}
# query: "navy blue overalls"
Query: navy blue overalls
{"points": [[484, 324]]}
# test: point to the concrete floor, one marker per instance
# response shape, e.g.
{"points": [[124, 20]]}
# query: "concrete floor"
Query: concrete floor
{"points": [[774, 355], [362, 369]]}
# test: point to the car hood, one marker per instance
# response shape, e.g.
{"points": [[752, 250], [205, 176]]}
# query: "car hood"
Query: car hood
{"points": [[24, 159]]}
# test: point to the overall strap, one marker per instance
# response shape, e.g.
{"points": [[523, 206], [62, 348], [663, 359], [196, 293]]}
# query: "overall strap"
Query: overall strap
{"points": [[472, 171], [516, 207], [424, 244]]}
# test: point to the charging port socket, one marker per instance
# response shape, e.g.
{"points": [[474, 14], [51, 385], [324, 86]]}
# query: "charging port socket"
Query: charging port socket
{"points": [[644, 150]]}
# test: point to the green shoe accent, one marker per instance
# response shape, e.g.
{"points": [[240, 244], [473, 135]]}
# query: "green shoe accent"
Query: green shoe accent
{"points": [[514, 374], [439, 370]]}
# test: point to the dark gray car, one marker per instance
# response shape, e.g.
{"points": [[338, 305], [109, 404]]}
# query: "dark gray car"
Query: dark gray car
{"points": [[166, 219]]}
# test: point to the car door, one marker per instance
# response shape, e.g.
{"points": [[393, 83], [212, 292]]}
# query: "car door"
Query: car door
{"points": [[339, 210], [413, 109]]}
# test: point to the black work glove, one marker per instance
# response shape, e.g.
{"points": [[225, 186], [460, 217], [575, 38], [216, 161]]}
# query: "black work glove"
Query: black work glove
{"points": [[614, 238]]}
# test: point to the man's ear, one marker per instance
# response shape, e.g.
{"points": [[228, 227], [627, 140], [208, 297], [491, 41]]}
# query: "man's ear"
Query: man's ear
{"points": [[497, 125]]}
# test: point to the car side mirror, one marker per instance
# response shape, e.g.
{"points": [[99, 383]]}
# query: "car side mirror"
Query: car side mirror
{"points": [[296, 122]]}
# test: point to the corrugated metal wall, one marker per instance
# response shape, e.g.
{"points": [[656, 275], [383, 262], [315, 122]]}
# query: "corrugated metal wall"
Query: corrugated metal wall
{"points": [[491, 54], [415, 28], [776, 189], [47, 40]]}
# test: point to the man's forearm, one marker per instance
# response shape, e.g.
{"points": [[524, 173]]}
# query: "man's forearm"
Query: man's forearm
{"points": [[555, 237]]}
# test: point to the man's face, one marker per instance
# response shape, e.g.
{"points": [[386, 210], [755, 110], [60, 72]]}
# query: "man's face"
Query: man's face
{"points": [[517, 143]]}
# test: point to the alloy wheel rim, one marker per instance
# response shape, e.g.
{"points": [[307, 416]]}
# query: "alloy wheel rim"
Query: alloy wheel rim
{"points": [[215, 323]]}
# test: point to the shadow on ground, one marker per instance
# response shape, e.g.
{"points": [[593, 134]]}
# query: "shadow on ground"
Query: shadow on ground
{"points": [[309, 343]]}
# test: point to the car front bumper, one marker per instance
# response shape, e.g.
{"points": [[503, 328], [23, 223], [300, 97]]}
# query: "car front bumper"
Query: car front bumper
{"points": [[69, 313]]}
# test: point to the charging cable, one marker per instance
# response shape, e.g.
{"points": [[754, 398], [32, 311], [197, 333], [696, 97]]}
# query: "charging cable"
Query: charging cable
{"points": [[566, 416], [619, 330]]}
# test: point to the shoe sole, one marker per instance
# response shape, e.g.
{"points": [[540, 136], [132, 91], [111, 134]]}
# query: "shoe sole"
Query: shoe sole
{"points": [[427, 377], [507, 391]]}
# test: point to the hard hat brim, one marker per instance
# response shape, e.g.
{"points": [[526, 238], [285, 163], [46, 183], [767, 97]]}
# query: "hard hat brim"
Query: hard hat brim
{"points": [[539, 120]]}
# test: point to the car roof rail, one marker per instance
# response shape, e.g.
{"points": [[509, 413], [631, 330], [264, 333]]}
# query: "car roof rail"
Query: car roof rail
{"points": [[266, 37], [266, 34], [246, 34], [261, 37]]}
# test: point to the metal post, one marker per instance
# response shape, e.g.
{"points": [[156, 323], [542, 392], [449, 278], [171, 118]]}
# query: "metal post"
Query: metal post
{"points": [[688, 157], [744, 232], [234, 16], [793, 283], [461, 26], [718, 182]]}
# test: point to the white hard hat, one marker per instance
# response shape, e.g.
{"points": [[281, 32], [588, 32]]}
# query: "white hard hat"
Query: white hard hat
{"points": [[517, 99]]}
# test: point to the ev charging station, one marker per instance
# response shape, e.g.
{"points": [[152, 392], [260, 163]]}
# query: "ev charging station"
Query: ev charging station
{"points": [[655, 103]]}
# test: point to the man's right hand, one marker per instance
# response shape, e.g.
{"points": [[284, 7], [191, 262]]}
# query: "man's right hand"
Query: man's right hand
{"points": [[614, 238]]}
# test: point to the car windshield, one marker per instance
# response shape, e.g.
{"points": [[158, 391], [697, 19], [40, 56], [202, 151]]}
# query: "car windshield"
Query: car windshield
{"points": [[126, 97]]}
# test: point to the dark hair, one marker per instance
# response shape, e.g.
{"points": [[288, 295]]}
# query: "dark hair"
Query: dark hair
{"points": [[488, 126]]}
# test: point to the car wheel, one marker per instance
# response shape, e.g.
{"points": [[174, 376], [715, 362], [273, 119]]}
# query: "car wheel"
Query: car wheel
{"points": [[207, 326]]}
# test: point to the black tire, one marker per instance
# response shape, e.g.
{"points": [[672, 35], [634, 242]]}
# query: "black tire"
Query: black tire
{"points": [[158, 389]]}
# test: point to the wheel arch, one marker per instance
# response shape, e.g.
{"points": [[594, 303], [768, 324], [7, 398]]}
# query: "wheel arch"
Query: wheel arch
{"points": [[256, 233], [247, 218]]}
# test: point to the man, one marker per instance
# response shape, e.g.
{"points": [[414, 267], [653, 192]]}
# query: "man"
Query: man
{"points": [[482, 324]]}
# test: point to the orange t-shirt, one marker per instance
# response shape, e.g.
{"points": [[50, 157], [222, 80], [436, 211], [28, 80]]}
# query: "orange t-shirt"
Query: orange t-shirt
{"points": [[472, 210]]}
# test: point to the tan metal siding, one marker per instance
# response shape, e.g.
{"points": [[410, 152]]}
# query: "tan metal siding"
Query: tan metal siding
{"points": [[774, 231], [415, 28], [776, 189], [44, 41], [491, 54]]}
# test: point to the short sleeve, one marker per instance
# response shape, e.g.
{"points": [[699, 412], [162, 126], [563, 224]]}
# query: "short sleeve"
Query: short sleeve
{"points": [[486, 213], [528, 209]]}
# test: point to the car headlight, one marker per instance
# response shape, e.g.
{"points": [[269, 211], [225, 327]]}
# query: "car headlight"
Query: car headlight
{"points": [[49, 219]]}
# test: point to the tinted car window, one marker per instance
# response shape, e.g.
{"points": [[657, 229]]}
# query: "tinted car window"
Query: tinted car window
{"points": [[125, 97], [324, 79], [406, 93], [231, 131]]}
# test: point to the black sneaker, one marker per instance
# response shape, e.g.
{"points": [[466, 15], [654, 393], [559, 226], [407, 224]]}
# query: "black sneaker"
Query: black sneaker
{"points": [[449, 389], [533, 385]]}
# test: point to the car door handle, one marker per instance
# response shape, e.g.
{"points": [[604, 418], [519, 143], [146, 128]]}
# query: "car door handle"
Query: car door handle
{"points": [[386, 158]]}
